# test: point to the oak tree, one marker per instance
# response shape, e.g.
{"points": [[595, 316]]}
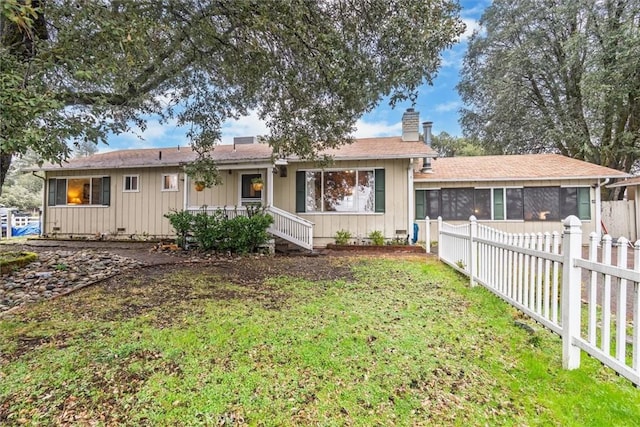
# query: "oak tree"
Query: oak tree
{"points": [[556, 76], [79, 70]]}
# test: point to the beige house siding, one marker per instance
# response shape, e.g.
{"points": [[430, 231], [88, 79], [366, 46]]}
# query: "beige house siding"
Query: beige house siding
{"points": [[228, 193], [325, 224], [515, 226], [138, 213]]}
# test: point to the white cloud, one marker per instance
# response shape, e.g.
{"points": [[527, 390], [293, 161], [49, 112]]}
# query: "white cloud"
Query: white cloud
{"points": [[373, 129], [250, 125], [454, 57], [448, 107], [154, 135], [471, 26]]}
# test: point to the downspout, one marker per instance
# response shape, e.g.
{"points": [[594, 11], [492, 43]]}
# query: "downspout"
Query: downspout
{"points": [[598, 208], [44, 202], [410, 209]]}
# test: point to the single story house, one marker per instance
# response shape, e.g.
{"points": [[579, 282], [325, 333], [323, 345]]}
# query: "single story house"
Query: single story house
{"points": [[127, 192], [530, 193], [374, 184]]}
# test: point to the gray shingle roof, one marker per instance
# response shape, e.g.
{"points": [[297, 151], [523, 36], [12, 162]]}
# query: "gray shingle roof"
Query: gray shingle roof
{"points": [[366, 148]]}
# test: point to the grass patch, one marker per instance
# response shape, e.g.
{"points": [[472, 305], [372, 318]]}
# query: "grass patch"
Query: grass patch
{"points": [[11, 260], [370, 342]]}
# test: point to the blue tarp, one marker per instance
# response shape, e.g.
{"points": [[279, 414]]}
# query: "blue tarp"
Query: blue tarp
{"points": [[27, 230]]}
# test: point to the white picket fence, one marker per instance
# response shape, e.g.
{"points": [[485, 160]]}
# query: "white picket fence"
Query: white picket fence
{"points": [[591, 302]]}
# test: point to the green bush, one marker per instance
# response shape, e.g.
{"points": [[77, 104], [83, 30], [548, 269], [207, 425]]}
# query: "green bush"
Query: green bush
{"points": [[182, 223], [342, 237], [209, 230], [217, 232], [376, 237], [10, 261]]}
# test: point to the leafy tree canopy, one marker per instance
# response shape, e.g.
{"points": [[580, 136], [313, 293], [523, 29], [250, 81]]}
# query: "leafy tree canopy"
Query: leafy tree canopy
{"points": [[559, 76], [76, 70], [449, 146]]}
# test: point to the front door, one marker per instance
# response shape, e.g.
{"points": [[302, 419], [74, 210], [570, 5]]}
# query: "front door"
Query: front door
{"points": [[250, 193]]}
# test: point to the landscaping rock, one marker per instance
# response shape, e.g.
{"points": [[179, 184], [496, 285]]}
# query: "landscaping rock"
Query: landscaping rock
{"points": [[57, 272]]}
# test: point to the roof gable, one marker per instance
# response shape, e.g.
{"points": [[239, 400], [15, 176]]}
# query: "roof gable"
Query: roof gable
{"points": [[514, 168]]}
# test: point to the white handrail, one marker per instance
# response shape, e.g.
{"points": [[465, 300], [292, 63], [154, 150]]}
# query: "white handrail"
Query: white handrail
{"points": [[287, 226], [291, 227]]}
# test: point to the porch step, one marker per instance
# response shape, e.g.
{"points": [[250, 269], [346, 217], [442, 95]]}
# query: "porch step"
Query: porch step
{"points": [[283, 246]]}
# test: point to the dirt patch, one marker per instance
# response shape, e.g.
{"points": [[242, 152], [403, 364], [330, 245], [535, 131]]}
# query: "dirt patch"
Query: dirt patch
{"points": [[163, 290]]}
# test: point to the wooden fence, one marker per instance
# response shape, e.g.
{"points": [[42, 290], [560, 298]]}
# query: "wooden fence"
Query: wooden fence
{"points": [[590, 297]]}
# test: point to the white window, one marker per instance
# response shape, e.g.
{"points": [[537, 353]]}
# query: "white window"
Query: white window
{"points": [[340, 191], [170, 182], [250, 194], [131, 183]]}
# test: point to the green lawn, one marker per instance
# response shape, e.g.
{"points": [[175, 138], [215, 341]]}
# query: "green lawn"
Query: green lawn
{"points": [[383, 342]]}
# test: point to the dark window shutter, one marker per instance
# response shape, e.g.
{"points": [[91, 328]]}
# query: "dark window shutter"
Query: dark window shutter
{"points": [[379, 183], [421, 212], [300, 191], [584, 203], [52, 192], [106, 191]]}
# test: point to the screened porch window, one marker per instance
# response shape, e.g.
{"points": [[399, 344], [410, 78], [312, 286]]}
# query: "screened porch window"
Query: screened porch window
{"points": [[528, 203]]}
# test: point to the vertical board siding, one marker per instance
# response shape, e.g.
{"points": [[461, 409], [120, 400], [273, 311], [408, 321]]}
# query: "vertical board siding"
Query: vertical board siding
{"points": [[137, 213], [225, 194], [142, 212]]}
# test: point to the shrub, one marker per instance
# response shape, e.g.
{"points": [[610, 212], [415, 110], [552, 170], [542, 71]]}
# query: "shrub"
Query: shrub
{"points": [[376, 237], [209, 230], [182, 224], [342, 237], [216, 231]]}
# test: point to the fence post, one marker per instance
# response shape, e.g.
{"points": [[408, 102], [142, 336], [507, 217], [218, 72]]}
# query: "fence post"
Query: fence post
{"points": [[570, 294], [427, 237], [439, 238], [473, 248], [9, 223]]}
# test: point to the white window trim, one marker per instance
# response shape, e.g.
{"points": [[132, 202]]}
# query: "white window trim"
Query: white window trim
{"points": [[250, 200], [124, 183], [356, 169], [164, 175]]}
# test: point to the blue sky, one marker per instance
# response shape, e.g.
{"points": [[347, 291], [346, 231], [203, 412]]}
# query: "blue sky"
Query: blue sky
{"points": [[438, 103]]}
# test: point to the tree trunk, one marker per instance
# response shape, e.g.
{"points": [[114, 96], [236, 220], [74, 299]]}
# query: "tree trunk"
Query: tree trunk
{"points": [[5, 162]]}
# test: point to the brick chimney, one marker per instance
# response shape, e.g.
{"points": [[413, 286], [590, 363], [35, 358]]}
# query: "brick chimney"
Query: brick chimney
{"points": [[411, 125]]}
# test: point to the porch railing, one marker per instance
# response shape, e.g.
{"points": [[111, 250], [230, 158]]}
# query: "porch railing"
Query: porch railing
{"points": [[285, 225], [592, 301], [292, 228]]}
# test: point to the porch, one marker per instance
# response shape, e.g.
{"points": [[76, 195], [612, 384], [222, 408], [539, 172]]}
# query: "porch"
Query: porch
{"points": [[285, 225]]}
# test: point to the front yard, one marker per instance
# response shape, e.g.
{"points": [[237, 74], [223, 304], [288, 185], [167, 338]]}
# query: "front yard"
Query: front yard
{"points": [[294, 341]]}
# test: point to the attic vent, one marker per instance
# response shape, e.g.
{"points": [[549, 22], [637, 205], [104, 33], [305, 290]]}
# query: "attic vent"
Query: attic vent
{"points": [[239, 140]]}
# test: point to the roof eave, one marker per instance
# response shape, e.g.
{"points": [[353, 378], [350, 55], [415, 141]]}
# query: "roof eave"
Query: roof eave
{"points": [[493, 179]]}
